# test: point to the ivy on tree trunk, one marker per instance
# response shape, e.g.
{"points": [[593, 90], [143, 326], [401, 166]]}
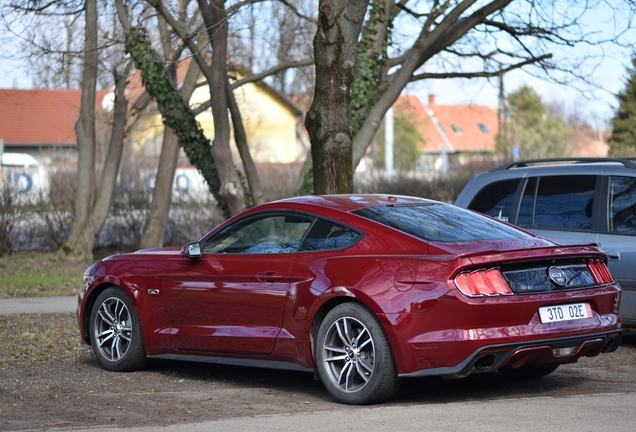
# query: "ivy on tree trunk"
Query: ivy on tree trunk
{"points": [[175, 111]]}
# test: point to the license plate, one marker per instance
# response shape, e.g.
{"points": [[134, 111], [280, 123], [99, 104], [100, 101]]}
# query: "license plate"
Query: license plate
{"points": [[567, 312]]}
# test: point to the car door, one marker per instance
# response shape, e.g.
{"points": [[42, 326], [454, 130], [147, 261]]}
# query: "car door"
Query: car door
{"points": [[618, 238], [232, 299]]}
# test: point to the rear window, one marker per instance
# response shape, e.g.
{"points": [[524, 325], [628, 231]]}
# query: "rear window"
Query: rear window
{"points": [[440, 223]]}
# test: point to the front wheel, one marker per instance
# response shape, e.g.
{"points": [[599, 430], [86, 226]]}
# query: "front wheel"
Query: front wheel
{"points": [[353, 356], [116, 333]]}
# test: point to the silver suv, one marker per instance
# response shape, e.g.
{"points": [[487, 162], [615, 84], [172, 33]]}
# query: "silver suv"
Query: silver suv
{"points": [[585, 200]]}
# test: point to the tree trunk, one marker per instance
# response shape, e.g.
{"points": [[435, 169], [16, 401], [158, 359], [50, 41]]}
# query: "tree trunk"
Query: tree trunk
{"points": [[155, 227], [85, 131], [215, 17], [87, 239], [240, 137], [329, 118]]}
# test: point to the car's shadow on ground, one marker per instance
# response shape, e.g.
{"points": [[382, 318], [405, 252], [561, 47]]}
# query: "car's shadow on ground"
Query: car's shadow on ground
{"points": [[629, 338], [417, 390], [203, 377]]}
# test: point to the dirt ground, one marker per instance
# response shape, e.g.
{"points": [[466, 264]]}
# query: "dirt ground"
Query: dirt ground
{"points": [[48, 381]]}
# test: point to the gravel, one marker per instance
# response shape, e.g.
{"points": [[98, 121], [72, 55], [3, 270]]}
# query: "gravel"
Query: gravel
{"points": [[47, 380]]}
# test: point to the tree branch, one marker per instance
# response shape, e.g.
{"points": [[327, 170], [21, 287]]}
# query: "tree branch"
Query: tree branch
{"points": [[272, 71], [186, 38], [482, 74], [233, 9]]}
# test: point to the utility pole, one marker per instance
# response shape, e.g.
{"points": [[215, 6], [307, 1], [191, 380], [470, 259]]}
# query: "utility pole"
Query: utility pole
{"points": [[388, 144], [503, 133]]}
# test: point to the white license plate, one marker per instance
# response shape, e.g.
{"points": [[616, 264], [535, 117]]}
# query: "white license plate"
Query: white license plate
{"points": [[567, 312]]}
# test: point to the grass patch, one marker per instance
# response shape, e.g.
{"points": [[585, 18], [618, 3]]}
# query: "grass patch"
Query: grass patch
{"points": [[39, 274], [30, 338]]}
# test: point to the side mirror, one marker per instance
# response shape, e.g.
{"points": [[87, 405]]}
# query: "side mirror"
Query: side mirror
{"points": [[194, 250]]}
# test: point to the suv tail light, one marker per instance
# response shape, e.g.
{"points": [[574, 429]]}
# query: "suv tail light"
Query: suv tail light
{"points": [[479, 283], [600, 271]]}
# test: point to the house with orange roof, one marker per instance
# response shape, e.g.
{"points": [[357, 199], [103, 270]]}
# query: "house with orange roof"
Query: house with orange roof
{"points": [[40, 122], [453, 134], [587, 142], [270, 118]]}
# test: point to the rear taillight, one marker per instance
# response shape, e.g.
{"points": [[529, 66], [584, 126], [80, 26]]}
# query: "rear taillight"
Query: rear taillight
{"points": [[600, 271], [481, 283]]}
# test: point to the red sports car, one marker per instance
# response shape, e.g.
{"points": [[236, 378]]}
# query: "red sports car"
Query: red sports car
{"points": [[363, 290]]}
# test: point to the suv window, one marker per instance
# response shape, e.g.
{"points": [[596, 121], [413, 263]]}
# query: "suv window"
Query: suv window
{"points": [[564, 202], [496, 199], [546, 202], [622, 201]]}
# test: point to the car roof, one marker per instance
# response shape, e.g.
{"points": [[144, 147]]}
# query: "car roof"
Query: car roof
{"points": [[569, 163], [348, 202]]}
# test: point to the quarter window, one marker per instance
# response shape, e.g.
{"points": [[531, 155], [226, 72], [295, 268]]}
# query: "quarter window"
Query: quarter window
{"points": [[326, 235]]}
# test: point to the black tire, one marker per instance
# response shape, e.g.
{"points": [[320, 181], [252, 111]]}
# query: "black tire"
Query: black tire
{"points": [[115, 332], [353, 356], [528, 372]]}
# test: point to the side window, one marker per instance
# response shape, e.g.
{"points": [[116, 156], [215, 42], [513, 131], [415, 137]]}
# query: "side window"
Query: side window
{"points": [[496, 199], [326, 235], [272, 233], [622, 201], [565, 202]]}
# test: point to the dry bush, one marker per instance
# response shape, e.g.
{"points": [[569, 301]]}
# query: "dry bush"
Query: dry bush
{"points": [[56, 212], [129, 210], [8, 217], [190, 219], [440, 187], [278, 180]]}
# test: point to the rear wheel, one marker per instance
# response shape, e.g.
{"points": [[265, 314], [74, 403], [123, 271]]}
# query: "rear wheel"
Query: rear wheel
{"points": [[116, 333], [528, 372], [353, 356]]}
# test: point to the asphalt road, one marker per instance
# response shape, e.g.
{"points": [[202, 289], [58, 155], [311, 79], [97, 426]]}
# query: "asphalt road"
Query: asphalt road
{"points": [[598, 412], [38, 305], [597, 394]]}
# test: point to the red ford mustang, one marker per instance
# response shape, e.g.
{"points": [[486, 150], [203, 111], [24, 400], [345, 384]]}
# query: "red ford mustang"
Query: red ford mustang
{"points": [[364, 290]]}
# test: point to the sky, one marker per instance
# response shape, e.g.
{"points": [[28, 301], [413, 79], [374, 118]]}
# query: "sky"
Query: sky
{"points": [[595, 105]]}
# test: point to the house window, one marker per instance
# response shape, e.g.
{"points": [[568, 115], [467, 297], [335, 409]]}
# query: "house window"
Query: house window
{"points": [[456, 129], [483, 128]]}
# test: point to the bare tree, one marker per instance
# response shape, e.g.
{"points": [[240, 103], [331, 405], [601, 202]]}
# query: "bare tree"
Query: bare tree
{"points": [[155, 227], [85, 131], [368, 51], [215, 18]]}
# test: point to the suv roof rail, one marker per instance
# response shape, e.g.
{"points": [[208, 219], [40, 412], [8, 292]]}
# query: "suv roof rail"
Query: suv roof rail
{"points": [[627, 162]]}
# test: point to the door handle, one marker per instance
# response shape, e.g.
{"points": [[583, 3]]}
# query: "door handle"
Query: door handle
{"points": [[269, 276], [614, 256]]}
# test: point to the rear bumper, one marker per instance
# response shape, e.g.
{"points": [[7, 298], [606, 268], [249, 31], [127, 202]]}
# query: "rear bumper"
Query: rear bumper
{"points": [[560, 350]]}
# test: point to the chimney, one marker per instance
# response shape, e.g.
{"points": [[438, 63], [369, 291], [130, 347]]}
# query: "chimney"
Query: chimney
{"points": [[431, 99]]}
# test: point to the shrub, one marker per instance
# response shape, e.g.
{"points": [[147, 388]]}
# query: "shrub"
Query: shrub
{"points": [[8, 217]]}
